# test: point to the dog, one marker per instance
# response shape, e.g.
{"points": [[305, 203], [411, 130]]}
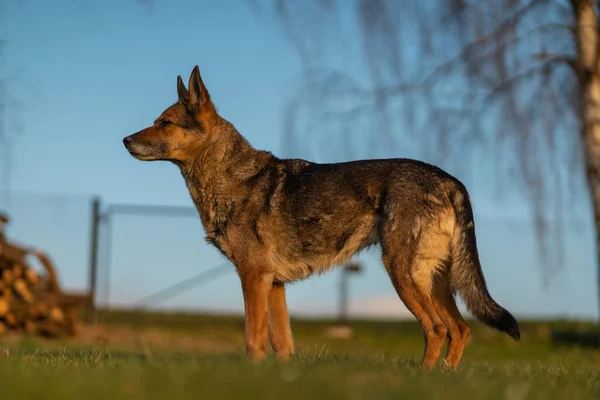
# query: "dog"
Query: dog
{"points": [[283, 220]]}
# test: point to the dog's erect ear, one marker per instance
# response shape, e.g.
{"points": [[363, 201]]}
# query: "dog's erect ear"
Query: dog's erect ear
{"points": [[198, 95], [181, 90]]}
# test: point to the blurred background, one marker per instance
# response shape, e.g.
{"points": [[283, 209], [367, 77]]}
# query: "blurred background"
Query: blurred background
{"points": [[493, 92]]}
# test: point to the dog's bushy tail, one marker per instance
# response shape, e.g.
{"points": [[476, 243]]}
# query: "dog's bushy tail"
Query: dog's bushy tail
{"points": [[466, 276]]}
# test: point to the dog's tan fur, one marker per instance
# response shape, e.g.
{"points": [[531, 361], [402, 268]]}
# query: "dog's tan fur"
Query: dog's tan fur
{"points": [[283, 220]]}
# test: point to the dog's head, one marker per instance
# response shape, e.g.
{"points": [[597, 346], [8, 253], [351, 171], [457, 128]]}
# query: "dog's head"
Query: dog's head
{"points": [[181, 130]]}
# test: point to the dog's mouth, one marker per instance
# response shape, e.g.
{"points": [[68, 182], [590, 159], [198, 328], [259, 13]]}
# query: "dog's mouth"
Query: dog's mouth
{"points": [[135, 153], [140, 156], [138, 151]]}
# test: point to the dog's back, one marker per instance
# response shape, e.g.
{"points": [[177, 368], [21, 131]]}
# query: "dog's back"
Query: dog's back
{"points": [[317, 216]]}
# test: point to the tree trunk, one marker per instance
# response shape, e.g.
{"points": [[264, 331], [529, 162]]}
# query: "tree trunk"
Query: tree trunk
{"points": [[589, 81]]}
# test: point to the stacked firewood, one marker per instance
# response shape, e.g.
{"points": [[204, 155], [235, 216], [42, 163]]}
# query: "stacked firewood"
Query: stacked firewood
{"points": [[32, 302]]}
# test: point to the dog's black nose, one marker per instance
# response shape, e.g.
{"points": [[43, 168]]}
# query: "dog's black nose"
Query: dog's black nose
{"points": [[126, 140]]}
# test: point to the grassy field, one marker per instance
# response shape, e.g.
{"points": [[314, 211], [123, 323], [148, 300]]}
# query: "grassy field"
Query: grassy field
{"points": [[153, 356]]}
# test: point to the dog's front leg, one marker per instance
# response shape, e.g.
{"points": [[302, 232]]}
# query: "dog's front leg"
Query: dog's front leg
{"points": [[279, 323], [256, 288]]}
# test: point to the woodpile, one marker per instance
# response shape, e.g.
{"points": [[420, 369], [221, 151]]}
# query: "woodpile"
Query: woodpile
{"points": [[33, 303]]}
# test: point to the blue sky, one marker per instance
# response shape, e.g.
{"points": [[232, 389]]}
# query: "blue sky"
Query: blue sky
{"points": [[90, 73]]}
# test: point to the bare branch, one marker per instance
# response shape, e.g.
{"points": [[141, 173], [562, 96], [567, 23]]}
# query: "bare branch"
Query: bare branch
{"points": [[511, 82], [555, 58], [470, 51]]}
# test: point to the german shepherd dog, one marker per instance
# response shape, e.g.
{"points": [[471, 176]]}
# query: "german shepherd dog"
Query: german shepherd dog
{"points": [[283, 220]]}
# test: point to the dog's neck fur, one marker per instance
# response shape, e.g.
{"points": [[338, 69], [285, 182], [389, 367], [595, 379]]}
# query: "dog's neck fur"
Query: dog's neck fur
{"points": [[216, 174]]}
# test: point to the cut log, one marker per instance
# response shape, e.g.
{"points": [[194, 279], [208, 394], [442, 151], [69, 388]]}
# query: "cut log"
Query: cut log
{"points": [[56, 315], [29, 327], [21, 288], [38, 310], [4, 306], [18, 270], [31, 276], [10, 320], [8, 276]]}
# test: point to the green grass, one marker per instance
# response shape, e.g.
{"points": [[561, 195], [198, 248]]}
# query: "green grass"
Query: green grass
{"points": [[202, 357]]}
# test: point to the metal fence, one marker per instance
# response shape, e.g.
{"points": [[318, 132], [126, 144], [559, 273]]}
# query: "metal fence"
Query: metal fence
{"points": [[155, 257]]}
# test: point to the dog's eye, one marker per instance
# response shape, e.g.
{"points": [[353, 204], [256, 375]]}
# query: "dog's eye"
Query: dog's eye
{"points": [[164, 123]]}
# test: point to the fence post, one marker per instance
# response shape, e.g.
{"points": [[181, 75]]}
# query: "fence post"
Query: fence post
{"points": [[347, 269], [90, 315], [343, 311]]}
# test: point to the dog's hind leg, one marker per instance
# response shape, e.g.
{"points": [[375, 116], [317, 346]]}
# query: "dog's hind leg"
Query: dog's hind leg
{"points": [[421, 306], [256, 288], [413, 253], [458, 330], [279, 323]]}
